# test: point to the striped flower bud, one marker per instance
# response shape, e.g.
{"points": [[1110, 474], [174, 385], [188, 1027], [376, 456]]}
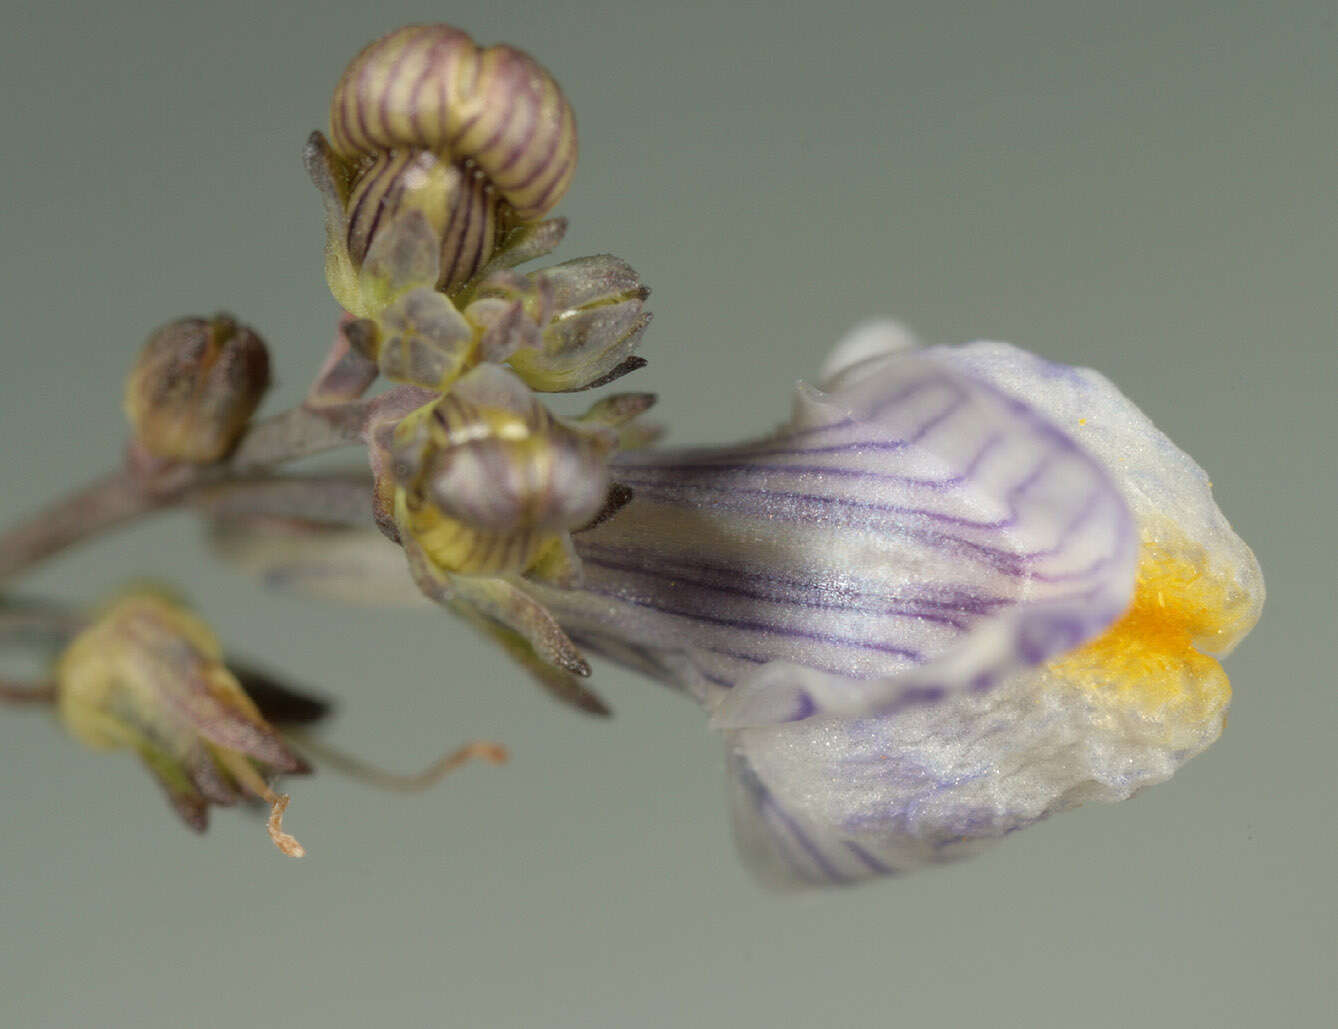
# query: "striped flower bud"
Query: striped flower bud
{"points": [[489, 482], [474, 140], [194, 387]]}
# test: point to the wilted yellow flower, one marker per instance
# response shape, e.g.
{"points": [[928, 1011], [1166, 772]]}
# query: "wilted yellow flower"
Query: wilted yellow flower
{"points": [[149, 675]]}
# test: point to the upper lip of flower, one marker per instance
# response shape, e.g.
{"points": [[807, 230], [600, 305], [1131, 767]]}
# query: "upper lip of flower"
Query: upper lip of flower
{"points": [[915, 501], [843, 565]]}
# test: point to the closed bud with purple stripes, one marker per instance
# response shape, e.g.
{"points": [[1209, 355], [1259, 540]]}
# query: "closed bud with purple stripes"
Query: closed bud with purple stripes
{"points": [[434, 137], [488, 482]]}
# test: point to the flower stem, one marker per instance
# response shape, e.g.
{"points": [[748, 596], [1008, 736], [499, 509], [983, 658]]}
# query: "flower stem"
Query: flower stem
{"points": [[110, 501], [335, 498], [412, 782], [124, 496], [299, 432], [35, 622], [27, 692]]}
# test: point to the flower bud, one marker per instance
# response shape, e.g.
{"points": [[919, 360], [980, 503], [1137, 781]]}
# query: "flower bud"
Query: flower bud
{"points": [[194, 387], [582, 321], [430, 87], [422, 339], [489, 482], [149, 675], [475, 141]]}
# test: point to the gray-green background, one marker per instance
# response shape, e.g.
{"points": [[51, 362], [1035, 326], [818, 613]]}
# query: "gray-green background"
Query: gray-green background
{"points": [[1146, 188]]}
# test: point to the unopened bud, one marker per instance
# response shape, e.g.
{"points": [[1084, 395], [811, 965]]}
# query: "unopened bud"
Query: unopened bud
{"points": [[424, 123], [489, 481], [194, 387], [583, 320]]}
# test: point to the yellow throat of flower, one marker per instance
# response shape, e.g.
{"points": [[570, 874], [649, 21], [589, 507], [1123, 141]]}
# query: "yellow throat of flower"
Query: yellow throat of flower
{"points": [[1155, 662]]}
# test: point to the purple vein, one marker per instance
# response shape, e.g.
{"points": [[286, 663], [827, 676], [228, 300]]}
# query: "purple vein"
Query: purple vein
{"points": [[749, 625], [887, 606]]}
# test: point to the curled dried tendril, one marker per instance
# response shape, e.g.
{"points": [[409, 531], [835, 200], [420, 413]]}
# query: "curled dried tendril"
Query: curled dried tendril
{"points": [[412, 782]]}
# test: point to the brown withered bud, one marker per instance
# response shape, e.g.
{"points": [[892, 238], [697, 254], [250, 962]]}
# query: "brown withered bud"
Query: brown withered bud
{"points": [[194, 387]]}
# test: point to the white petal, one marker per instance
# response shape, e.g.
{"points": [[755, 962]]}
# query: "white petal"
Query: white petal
{"points": [[867, 342], [839, 800], [1160, 482], [910, 534]]}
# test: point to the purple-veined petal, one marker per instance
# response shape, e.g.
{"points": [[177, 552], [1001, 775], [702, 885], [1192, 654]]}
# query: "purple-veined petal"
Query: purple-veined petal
{"points": [[1163, 486], [836, 801], [912, 534]]}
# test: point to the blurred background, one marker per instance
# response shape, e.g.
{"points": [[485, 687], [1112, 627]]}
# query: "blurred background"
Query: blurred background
{"points": [[1145, 188]]}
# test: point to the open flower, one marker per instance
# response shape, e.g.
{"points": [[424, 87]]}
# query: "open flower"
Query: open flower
{"points": [[148, 675], [962, 589]]}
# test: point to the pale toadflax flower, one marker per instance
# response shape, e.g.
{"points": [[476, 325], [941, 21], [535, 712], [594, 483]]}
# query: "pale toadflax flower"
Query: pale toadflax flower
{"points": [[961, 589]]}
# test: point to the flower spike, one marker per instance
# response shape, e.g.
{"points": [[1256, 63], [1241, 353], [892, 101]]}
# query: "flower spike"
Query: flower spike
{"points": [[959, 590]]}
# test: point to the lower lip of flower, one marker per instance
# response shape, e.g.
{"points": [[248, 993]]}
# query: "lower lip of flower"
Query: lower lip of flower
{"points": [[1149, 663]]}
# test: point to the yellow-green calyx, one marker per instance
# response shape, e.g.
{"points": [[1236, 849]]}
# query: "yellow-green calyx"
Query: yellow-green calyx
{"points": [[149, 676]]}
